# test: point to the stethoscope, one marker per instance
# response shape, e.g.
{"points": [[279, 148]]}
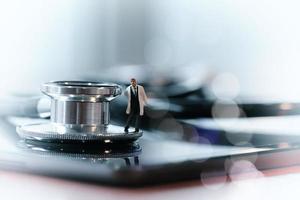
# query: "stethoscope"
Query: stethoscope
{"points": [[80, 113]]}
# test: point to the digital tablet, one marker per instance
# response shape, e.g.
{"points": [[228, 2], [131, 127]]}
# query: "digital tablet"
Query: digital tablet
{"points": [[151, 160]]}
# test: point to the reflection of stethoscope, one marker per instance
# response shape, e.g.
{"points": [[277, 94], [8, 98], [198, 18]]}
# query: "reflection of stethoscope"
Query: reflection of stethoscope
{"points": [[94, 154]]}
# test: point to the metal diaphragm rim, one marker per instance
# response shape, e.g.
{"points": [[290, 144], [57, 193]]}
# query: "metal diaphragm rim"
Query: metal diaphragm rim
{"points": [[49, 132], [80, 88]]}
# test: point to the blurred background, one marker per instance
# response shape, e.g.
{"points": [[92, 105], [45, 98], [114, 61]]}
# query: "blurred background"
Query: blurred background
{"points": [[249, 48], [217, 72]]}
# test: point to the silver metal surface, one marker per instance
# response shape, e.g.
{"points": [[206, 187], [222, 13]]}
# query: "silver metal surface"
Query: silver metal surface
{"points": [[80, 103], [79, 111], [83, 113]]}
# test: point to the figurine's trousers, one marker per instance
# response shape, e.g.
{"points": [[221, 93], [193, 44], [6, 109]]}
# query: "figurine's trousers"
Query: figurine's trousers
{"points": [[130, 118]]}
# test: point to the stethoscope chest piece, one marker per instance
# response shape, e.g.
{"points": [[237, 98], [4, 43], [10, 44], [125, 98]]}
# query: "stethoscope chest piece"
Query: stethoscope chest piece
{"points": [[79, 113]]}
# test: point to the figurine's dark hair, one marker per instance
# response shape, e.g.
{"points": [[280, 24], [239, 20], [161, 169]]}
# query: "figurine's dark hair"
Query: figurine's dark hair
{"points": [[132, 79]]}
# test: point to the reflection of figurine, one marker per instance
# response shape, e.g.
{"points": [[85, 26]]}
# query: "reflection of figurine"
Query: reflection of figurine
{"points": [[136, 161], [136, 101]]}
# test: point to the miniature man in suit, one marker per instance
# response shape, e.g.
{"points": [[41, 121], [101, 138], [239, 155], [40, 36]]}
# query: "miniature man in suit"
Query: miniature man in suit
{"points": [[137, 99]]}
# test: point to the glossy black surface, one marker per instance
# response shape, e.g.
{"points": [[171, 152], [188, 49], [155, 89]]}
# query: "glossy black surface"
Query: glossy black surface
{"points": [[155, 158]]}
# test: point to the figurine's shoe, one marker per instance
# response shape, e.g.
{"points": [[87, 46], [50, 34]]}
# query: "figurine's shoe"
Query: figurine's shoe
{"points": [[126, 130]]}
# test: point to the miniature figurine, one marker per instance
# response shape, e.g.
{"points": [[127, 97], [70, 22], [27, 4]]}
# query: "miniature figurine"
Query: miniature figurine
{"points": [[137, 99]]}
